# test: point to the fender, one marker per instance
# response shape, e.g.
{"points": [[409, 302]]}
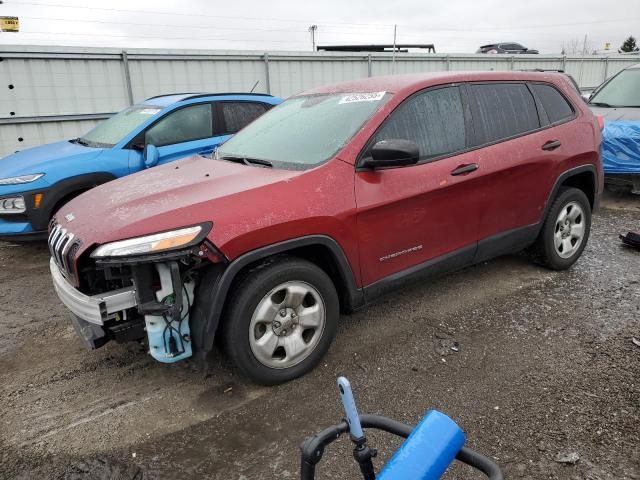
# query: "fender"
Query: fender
{"points": [[563, 178], [40, 217], [214, 287]]}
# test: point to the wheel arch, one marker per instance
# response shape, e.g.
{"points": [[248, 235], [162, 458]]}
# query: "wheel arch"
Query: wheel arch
{"points": [[216, 284], [583, 177], [63, 191]]}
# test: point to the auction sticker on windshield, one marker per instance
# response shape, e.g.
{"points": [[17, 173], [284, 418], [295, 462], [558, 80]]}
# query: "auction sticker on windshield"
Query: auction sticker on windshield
{"points": [[362, 97]]}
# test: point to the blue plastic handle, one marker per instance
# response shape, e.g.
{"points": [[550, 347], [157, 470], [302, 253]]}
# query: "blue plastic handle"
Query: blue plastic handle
{"points": [[428, 452], [349, 404]]}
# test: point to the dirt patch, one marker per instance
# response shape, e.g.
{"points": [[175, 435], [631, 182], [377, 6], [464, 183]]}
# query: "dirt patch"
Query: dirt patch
{"points": [[537, 367]]}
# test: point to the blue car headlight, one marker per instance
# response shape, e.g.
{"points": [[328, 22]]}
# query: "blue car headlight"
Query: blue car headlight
{"points": [[21, 179]]}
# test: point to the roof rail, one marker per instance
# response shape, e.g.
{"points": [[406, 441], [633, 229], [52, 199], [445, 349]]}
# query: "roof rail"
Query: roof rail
{"points": [[557, 70], [191, 95]]}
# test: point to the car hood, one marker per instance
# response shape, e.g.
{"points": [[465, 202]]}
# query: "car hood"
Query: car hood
{"points": [[614, 114], [41, 159], [170, 196]]}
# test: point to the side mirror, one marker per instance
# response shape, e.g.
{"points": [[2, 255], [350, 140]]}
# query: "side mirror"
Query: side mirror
{"points": [[151, 156], [392, 153]]}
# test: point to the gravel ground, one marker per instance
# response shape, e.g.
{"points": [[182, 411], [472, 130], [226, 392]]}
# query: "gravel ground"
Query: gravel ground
{"points": [[546, 370]]}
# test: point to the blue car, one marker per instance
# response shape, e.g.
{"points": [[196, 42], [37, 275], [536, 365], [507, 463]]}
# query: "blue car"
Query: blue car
{"points": [[36, 182]]}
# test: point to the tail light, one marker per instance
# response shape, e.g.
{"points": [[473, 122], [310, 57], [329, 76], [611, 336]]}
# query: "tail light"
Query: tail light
{"points": [[600, 121]]}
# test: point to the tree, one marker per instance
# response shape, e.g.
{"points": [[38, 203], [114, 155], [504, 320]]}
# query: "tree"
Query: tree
{"points": [[575, 47], [629, 45]]}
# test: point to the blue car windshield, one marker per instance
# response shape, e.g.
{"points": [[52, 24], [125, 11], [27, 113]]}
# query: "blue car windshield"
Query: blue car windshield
{"points": [[109, 132], [304, 131]]}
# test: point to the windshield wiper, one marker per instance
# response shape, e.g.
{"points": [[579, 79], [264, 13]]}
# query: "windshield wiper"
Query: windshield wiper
{"points": [[601, 104], [249, 161], [80, 141]]}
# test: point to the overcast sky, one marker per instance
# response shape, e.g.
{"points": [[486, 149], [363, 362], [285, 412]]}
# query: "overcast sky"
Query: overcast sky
{"points": [[454, 26]]}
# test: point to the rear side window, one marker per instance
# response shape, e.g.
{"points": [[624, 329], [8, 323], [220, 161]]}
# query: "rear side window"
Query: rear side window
{"points": [[511, 46], [237, 115], [434, 120], [183, 125], [502, 110], [555, 105]]}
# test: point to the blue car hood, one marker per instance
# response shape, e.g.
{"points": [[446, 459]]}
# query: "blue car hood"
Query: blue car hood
{"points": [[45, 158]]}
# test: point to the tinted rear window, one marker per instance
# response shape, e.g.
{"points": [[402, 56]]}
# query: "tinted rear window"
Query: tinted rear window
{"points": [[555, 105], [502, 110], [238, 115]]}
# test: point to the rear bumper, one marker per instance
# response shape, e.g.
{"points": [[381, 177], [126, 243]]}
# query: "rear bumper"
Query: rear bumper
{"points": [[95, 309]]}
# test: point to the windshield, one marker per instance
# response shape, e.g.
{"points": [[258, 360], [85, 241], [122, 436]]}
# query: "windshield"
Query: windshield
{"points": [[303, 131], [621, 91], [111, 131]]}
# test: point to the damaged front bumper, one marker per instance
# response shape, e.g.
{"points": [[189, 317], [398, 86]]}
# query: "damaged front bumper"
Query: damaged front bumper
{"points": [[95, 309], [88, 313]]}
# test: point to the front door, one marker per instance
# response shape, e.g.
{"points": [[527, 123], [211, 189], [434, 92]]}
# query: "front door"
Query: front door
{"points": [[423, 215]]}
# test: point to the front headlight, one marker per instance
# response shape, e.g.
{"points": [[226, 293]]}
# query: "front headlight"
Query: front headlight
{"points": [[158, 242], [12, 205], [21, 179]]}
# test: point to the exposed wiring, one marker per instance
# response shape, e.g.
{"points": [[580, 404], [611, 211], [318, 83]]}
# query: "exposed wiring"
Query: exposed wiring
{"points": [[171, 329]]}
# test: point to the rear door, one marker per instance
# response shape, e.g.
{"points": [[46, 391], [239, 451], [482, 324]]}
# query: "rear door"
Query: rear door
{"points": [[516, 157], [234, 116], [415, 214]]}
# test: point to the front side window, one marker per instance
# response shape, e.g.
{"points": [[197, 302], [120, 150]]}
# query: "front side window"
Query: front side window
{"points": [[238, 115], [304, 131], [621, 91], [554, 104], [433, 120], [110, 132], [183, 125], [502, 110]]}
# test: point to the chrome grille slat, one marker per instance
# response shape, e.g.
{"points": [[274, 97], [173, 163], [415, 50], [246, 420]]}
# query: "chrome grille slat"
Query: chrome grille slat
{"points": [[60, 243], [57, 245], [65, 251], [52, 238]]}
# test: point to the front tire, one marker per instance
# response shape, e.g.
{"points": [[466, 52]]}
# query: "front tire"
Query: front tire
{"points": [[282, 319], [566, 229]]}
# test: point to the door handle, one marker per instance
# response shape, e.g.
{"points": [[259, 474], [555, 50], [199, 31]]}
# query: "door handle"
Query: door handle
{"points": [[551, 145], [464, 169]]}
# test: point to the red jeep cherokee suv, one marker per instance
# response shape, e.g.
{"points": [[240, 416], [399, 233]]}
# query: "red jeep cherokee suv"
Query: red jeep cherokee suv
{"points": [[324, 204]]}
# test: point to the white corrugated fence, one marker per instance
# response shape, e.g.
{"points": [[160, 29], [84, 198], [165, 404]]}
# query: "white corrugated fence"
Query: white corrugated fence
{"points": [[54, 93]]}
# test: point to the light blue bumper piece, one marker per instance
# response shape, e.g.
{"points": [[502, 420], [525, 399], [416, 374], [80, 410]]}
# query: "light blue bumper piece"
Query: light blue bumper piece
{"points": [[14, 228]]}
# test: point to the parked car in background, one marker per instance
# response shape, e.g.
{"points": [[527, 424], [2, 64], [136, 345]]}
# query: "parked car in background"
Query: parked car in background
{"points": [[506, 47], [330, 200], [35, 182], [617, 100]]}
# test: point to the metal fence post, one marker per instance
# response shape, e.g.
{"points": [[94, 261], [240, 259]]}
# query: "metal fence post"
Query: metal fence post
{"points": [[448, 62], [606, 68], [267, 76], [127, 76], [564, 63], [369, 72]]}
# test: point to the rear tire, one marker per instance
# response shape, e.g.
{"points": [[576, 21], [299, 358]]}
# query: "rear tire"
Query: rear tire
{"points": [[566, 229], [282, 318]]}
